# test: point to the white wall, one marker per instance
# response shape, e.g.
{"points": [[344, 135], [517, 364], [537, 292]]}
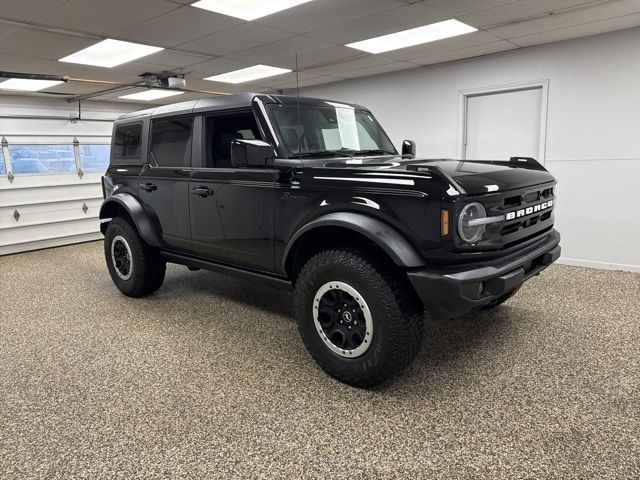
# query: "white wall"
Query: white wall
{"points": [[593, 129], [50, 205]]}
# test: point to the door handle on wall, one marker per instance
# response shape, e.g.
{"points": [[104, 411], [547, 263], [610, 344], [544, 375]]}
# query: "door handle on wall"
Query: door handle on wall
{"points": [[148, 187], [202, 192]]}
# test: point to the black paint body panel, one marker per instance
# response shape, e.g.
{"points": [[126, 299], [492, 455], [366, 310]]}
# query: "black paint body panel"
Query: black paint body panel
{"points": [[251, 219]]}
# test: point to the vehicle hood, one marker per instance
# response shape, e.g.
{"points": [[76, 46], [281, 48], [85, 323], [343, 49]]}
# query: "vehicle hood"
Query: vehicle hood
{"points": [[467, 177]]}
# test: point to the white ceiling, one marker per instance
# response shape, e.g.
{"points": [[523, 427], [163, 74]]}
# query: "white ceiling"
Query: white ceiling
{"points": [[34, 34]]}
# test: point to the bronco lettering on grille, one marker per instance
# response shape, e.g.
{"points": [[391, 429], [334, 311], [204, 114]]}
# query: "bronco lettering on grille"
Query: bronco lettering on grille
{"points": [[523, 212]]}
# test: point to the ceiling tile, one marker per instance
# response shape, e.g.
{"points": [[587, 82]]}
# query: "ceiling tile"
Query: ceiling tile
{"points": [[568, 19], [242, 37], [281, 79], [27, 11], [476, 51], [455, 8], [519, 10], [378, 24], [364, 61], [319, 80], [43, 44], [7, 29], [446, 45], [102, 17], [166, 60], [324, 13], [327, 55], [593, 28], [14, 63], [214, 67], [178, 26], [283, 52], [377, 70]]}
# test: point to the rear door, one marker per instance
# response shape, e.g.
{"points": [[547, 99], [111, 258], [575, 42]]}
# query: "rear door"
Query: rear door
{"points": [[164, 179], [231, 208]]}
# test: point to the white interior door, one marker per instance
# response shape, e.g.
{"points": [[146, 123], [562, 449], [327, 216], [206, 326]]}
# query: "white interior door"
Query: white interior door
{"points": [[500, 125]]}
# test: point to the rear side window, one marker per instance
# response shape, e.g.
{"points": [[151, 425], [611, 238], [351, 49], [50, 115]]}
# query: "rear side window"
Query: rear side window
{"points": [[127, 141], [170, 141]]}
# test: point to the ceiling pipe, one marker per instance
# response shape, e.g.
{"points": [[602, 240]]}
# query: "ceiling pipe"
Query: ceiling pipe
{"points": [[34, 76], [115, 86]]}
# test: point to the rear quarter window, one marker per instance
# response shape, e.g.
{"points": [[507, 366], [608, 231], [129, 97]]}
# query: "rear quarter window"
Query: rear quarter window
{"points": [[127, 141]]}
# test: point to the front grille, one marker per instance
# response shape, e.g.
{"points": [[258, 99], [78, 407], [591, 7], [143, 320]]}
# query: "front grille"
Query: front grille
{"points": [[527, 198], [513, 231], [522, 201]]}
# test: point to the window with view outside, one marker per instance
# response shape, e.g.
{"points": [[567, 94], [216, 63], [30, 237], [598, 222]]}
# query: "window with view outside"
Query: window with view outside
{"points": [[331, 128], [3, 170], [42, 159], [95, 158]]}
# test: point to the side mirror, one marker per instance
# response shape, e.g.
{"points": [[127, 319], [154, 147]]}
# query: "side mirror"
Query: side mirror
{"points": [[250, 153], [409, 149]]}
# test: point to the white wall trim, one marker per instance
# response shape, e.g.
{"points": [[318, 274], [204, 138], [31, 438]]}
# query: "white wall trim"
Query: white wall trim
{"points": [[599, 265], [463, 96]]}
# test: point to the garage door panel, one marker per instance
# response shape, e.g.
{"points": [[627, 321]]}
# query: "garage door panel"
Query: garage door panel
{"points": [[40, 232], [44, 213]]}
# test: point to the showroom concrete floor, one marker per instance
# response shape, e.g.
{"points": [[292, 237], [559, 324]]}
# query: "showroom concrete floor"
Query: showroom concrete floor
{"points": [[208, 378]]}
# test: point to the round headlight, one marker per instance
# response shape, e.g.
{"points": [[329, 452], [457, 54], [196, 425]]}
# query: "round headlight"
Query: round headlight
{"points": [[469, 231]]}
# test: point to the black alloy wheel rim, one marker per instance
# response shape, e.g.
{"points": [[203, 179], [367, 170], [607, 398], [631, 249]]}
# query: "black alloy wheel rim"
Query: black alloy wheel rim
{"points": [[121, 257], [343, 319]]}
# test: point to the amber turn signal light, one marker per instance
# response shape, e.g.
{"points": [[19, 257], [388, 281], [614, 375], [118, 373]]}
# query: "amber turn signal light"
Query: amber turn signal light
{"points": [[444, 222]]}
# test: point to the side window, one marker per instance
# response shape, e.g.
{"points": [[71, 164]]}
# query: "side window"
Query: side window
{"points": [[40, 158], [170, 141], [95, 158], [127, 141], [3, 171], [220, 130]]}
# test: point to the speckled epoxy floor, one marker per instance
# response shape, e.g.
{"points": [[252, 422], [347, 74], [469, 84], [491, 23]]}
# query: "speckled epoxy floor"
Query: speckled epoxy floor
{"points": [[209, 379]]}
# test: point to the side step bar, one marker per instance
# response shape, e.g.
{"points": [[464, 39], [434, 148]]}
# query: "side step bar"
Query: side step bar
{"points": [[270, 280]]}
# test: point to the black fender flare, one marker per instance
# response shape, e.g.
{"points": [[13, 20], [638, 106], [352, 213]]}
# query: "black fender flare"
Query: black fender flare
{"points": [[382, 234], [136, 211]]}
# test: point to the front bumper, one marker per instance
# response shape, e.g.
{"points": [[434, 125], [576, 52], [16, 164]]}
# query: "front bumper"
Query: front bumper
{"points": [[449, 292]]}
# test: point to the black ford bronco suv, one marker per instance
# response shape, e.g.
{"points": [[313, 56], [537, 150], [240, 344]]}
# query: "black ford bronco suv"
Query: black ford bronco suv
{"points": [[311, 194]]}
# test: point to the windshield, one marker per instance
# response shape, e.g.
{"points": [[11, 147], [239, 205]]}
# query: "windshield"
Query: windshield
{"points": [[334, 129]]}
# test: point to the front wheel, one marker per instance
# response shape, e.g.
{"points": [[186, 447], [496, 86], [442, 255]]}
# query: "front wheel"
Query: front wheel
{"points": [[136, 268], [358, 318]]}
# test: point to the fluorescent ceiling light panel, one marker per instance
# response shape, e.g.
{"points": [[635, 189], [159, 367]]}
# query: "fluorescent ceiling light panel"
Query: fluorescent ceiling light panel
{"points": [[27, 85], [414, 36], [248, 74], [152, 94], [110, 53], [248, 9]]}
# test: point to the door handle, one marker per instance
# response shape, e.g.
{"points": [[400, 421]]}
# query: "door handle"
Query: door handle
{"points": [[202, 192], [148, 187]]}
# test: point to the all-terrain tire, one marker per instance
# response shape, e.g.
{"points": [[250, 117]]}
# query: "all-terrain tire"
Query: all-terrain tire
{"points": [[146, 268], [396, 313]]}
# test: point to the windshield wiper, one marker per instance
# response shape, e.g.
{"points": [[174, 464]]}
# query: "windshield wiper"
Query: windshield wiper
{"points": [[375, 151], [324, 153]]}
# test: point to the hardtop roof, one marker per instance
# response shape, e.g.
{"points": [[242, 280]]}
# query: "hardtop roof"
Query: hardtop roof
{"points": [[228, 102]]}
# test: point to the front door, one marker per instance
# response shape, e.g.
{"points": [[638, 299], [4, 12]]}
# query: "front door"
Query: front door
{"points": [[232, 208], [164, 180]]}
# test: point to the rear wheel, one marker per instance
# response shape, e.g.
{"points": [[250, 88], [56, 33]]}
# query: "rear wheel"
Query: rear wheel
{"points": [[136, 268], [357, 317]]}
